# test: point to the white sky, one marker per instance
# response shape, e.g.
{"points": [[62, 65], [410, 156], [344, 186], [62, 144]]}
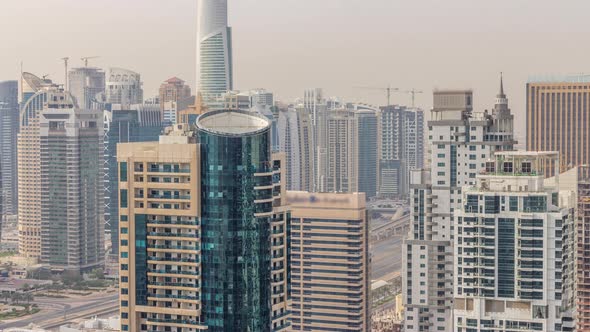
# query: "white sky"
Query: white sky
{"points": [[289, 45]]}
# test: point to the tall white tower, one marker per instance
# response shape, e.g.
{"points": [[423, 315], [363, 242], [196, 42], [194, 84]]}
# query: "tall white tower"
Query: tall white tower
{"points": [[214, 51]]}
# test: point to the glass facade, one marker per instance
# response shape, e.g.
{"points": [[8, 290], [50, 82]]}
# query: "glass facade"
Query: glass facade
{"points": [[236, 227], [125, 126]]}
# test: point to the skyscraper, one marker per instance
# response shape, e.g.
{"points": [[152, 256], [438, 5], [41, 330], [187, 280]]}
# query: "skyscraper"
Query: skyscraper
{"points": [[123, 126], [295, 140], [402, 148], [38, 95], [338, 158], [9, 114], [462, 141], [330, 262], [203, 228], [368, 151], [171, 92], [214, 51], [85, 84], [72, 225], [123, 87], [509, 247], [557, 118]]}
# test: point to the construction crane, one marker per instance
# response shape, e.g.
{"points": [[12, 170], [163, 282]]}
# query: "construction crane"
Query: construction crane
{"points": [[65, 60], [413, 92], [387, 89], [85, 59]]}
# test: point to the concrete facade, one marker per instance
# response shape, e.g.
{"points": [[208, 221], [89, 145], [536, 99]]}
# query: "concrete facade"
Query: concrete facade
{"points": [[330, 270]]}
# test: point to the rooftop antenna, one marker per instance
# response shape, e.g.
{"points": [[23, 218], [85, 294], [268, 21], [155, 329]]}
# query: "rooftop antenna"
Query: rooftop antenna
{"points": [[65, 60]]}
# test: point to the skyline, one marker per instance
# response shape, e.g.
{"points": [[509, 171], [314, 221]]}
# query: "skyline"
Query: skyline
{"points": [[489, 38]]}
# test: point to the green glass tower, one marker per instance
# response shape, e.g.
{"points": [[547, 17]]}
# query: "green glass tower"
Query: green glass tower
{"points": [[237, 208]]}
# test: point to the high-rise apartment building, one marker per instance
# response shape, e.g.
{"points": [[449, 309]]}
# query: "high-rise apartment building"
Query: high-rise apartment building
{"points": [[141, 124], [462, 141], [171, 92], [338, 146], [72, 225], [85, 84], [295, 140], [203, 229], [368, 151], [9, 114], [509, 245], [557, 119], [329, 262], [581, 316], [214, 51], [402, 148], [38, 95], [123, 87]]}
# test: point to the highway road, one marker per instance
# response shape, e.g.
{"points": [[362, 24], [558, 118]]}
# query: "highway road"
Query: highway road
{"points": [[386, 257], [54, 309]]}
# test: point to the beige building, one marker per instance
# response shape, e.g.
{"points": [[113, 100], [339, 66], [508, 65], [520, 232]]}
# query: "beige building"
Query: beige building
{"points": [[163, 234], [557, 119], [172, 91], [159, 234], [329, 262], [338, 151], [38, 95]]}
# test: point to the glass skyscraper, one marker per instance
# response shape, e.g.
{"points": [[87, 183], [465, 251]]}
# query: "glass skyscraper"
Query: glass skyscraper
{"points": [[237, 206], [203, 228], [8, 134], [214, 51], [123, 126]]}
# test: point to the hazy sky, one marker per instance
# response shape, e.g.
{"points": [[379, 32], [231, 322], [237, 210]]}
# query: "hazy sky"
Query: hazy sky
{"points": [[289, 45]]}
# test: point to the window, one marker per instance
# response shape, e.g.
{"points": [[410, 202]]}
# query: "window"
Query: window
{"points": [[124, 243], [124, 267], [124, 199], [124, 304], [124, 254], [123, 172], [513, 202], [124, 230]]}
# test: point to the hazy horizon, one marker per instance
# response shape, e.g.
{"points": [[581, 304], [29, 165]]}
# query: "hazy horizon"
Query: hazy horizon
{"points": [[287, 46]]}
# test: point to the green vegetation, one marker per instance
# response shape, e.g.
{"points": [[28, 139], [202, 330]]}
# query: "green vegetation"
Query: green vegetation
{"points": [[27, 310]]}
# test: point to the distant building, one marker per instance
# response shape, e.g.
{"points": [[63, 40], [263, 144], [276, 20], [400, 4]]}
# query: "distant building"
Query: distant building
{"points": [[140, 124], [186, 249], [338, 151], [38, 95], [172, 91], [123, 87], [296, 141], [9, 125], [214, 52], [330, 262], [235, 100], [402, 148], [261, 97], [557, 116], [72, 225], [368, 151], [85, 84]]}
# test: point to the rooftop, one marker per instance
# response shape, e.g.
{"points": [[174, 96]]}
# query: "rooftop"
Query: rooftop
{"points": [[232, 122], [527, 153], [577, 78]]}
